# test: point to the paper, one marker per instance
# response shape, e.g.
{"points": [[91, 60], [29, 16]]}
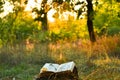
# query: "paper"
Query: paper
{"points": [[58, 68]]}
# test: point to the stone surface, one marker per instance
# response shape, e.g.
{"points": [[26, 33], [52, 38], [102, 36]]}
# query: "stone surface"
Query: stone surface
{"points": [[65, 71]]}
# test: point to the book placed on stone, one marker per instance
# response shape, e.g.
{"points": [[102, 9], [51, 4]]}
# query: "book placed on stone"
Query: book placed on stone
{"points": [[52, 67]]}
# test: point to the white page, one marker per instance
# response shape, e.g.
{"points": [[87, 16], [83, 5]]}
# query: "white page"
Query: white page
{"points": [[49, 67], [66, 66]]}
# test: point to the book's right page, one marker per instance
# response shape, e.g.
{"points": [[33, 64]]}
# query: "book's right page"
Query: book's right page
{"points": [[66, 66]]}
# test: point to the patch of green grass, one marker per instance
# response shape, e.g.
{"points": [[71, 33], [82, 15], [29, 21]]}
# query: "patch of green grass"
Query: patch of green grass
{"points": [[22, 71]]}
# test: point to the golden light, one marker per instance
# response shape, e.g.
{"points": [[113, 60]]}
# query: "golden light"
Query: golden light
{"points": [[8, 8], [31, 4], [50, 15]]}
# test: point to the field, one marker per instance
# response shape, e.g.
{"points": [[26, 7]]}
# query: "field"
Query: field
{"points": [[58, 31], [94, 61]]}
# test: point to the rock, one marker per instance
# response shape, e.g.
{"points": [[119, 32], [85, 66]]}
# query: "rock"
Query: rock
{"points": [[65, 73]]}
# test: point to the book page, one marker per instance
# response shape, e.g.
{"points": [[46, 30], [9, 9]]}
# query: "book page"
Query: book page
{"points": [[66, 66], [49, 67]]}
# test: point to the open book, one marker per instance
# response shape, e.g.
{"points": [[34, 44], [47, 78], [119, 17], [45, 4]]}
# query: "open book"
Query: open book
{"points": [[58, 68]]}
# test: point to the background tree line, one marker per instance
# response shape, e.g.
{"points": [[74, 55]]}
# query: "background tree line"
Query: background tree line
{"points": [[103, 17]]}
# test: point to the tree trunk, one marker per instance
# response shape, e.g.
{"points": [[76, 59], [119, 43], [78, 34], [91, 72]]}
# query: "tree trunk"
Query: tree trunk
{"points": [[44, 22], [89, 21]]}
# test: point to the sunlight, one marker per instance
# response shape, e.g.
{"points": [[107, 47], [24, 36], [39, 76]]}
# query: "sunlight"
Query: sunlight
{"points": [[8, 8], [50, 15], [30, 5], [65, 15]]}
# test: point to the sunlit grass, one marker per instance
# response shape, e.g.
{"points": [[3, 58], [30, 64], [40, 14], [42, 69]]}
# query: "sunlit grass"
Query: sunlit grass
{"points": [[94, 61]]}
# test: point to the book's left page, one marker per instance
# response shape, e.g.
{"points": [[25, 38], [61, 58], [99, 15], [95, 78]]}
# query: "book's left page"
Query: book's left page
{"points": [[49, 67]]}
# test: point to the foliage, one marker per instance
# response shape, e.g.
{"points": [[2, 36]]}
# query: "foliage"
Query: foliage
{"points": [[107, 18], [70, 30], [15, 28]]}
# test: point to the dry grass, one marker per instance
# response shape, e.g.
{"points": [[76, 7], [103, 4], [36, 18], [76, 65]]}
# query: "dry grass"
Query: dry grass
{"points": [[97, 61]]}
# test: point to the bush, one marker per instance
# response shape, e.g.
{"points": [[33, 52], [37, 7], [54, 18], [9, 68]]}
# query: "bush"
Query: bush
{"points": [[113, 30]]}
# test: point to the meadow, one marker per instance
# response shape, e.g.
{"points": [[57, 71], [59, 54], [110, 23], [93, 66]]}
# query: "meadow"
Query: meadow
{"points": [[94, 61], [27, 43]]}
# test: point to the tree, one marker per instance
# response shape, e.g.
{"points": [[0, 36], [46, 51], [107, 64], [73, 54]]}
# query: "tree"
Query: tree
{"points": [[63, 6], [42, 14], [90, 16], [107, 20], [82, 9], [8, 27]]}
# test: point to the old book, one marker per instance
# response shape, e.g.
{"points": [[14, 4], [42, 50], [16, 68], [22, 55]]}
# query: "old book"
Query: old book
{"points": [[52, 67]]}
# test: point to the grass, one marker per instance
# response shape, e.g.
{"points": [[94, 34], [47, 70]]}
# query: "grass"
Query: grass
{"points": [[20, 72], [99, 61]]}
